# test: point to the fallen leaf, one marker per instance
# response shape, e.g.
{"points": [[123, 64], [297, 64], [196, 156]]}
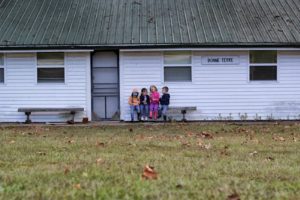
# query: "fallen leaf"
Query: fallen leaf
{"points": [[295, 139], [190, 134], [100, 144], [278, 138], [207, 146], [253, 153], [99, 161], [12, 142], [41, 153], [71, 141], [270, 158], [200, 142], [202, 145], [185, 143], [66, 170], [149, 173], [77, 186], [234, 196], [130, 130], [206, 135]]}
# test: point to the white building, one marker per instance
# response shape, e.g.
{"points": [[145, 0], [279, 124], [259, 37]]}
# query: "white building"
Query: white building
{"points": [[232, 60]]}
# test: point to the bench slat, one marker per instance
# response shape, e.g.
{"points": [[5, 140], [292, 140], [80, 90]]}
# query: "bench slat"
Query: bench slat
{"points": [[50, 109], [183, 108]]}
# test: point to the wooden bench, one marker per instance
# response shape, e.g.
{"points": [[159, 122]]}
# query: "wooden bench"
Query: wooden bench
{"points": [[28, 112], [183, 110]]}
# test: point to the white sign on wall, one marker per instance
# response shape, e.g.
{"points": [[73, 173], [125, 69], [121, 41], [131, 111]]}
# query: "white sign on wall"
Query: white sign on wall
{"points": [[220, 60]]}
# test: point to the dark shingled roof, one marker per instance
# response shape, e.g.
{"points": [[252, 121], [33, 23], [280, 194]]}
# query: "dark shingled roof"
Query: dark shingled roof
{"points": [[142, 23]]}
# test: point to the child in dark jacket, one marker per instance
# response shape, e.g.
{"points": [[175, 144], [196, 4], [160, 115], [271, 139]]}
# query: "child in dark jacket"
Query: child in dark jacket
{"points": [[164, 102], [144, 104]]}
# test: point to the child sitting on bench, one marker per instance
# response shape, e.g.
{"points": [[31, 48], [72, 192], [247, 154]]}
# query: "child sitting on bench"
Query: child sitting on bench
{"points": [[164, 102], [134, 102]]}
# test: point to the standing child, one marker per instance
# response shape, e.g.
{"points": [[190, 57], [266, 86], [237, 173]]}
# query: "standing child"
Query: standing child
{"points": [[165, 101], [134, 102], [154, 102], [144, 104]]}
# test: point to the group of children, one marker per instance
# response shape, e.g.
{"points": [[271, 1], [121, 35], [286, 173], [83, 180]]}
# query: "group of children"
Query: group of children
{"points": [[147, 106]]}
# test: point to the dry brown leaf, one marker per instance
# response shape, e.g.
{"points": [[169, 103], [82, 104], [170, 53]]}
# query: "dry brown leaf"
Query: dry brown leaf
{"points": [[185, 144], [255, 141], [295, 139], [234, 196], [149, 173], [12, 142], [202, 145], [100, 144], [99, 161], [200, 142], [41, 153], [278, 138], [189, 134], [66, 170], [71, 141], [270, 158], [253, 153], [77, 186], [207, 146], [206, 135]]}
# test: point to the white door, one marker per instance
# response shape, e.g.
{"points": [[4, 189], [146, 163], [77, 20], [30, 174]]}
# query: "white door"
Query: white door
{"points": [[105, 86]]}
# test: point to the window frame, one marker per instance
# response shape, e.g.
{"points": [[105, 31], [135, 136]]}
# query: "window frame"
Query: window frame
{"points": [[4, 69], [49, 67], [263, 65], [176, 65]]}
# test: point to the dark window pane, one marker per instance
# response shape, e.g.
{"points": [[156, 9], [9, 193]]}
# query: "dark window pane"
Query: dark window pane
{"points": [[1, 75], [263, 73], [263, 56], [51, 75], [1, 59], [50, 59], [177, 58], [178, 74]]}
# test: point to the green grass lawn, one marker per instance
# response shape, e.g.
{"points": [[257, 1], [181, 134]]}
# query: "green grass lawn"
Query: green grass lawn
{"points": [[193, 161]]}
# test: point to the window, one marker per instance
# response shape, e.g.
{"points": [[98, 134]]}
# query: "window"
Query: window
{"points": [[50, 68], [1, 68], [177, 67], [263, 65]]}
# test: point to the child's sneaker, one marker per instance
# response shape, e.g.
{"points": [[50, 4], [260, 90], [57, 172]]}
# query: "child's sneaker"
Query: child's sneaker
{"points": [[146, 118], [142, 118]]}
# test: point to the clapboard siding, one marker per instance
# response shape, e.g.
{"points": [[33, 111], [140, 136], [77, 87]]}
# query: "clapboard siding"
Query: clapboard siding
{"points": [[219, 92], [22, 90]]}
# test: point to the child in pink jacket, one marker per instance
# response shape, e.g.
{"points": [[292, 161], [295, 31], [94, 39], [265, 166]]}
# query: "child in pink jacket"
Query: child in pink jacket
{"points": [[154, 102]]}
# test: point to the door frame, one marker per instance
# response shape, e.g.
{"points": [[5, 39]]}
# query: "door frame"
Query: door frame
{"points": [[92, 74]]}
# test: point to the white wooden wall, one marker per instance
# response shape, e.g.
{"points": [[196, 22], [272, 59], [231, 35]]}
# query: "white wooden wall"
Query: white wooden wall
{"points": [[219, 92], [22, 90]]}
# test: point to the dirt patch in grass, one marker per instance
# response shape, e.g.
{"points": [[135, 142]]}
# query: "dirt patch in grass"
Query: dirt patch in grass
{"points": [[200, 161]]}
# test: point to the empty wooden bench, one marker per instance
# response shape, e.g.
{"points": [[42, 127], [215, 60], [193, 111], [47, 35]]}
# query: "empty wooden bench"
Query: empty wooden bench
{"points": [[183, 110], [28, 112]]}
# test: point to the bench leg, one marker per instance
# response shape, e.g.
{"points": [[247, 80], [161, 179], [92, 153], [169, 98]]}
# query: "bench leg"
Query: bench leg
{"points": [[72, 121], [28, 120], [183, 112]]}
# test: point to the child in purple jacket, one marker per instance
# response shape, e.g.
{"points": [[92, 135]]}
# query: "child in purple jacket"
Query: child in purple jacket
{"points": [[154, 102]]}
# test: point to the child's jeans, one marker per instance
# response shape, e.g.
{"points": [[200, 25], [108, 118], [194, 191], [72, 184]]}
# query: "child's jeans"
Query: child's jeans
{"points": [[144, 110], [164, 109], [132, 109]]}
